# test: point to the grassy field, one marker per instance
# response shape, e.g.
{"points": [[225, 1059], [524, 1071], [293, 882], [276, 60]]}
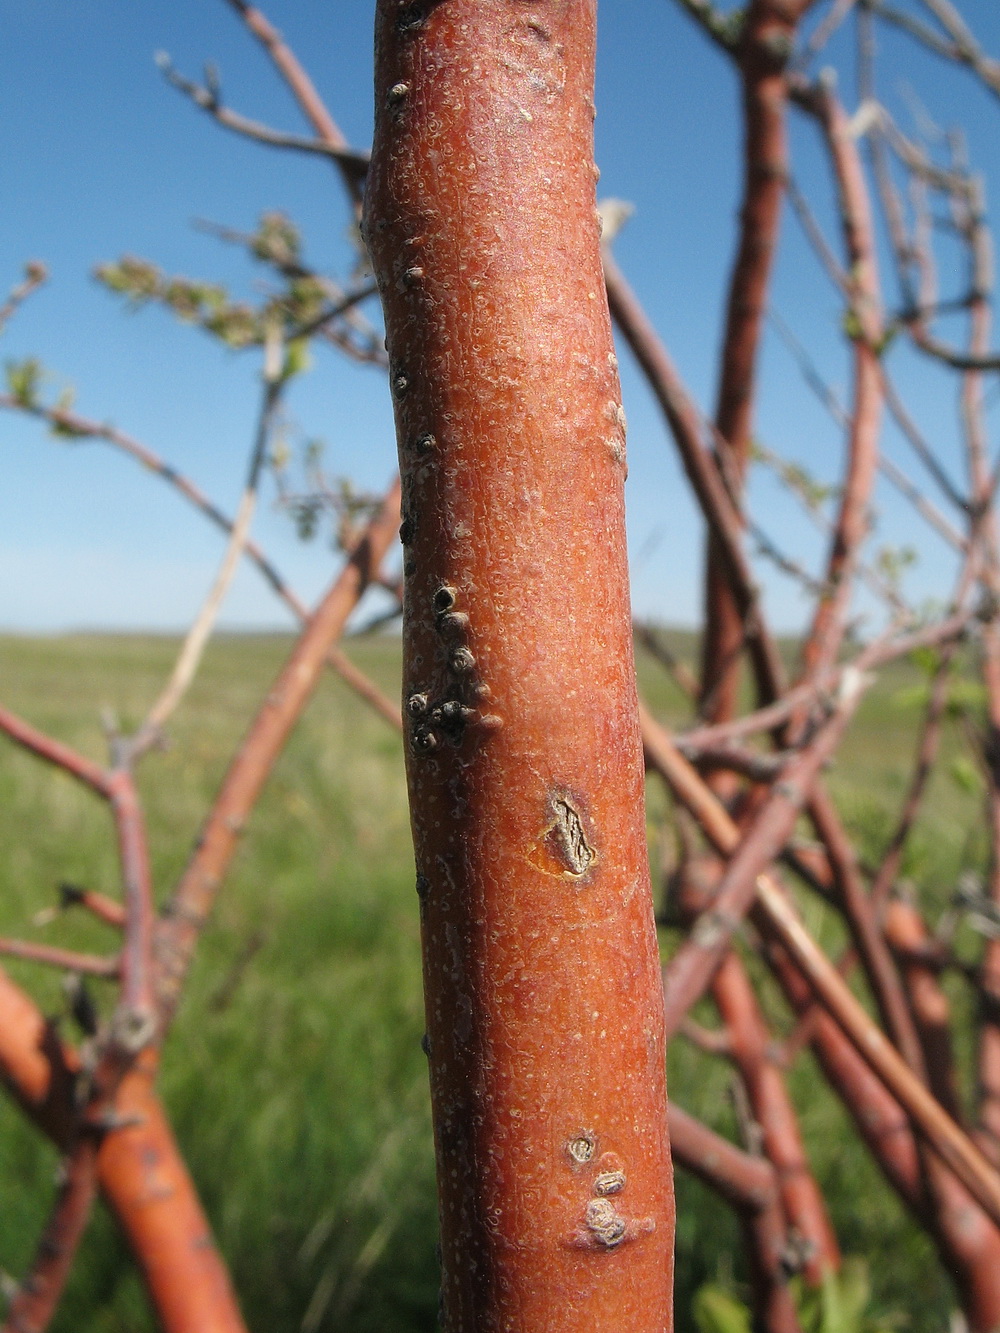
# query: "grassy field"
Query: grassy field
{"points": [[294, 1074]]}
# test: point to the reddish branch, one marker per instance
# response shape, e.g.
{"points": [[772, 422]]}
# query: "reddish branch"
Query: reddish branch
{"points": [[99, 905], [524, 765], [696, 960], [188, 908], [749, 1184], [37, 1298], [766, 42], [781, 1137], [55, 753], [774, 915], [716, 504], [829, 620], [93, 965], [139, 1169], [352, 167]]}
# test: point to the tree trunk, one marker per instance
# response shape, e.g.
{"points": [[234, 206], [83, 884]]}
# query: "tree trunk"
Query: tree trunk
{"points": [[544, 1015]]}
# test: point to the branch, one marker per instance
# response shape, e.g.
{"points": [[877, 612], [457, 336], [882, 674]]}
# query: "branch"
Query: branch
{"points": [[55, 753], [134, 1021], [776, 914], [165, 1227], [188, 908], [743, 1180], [35, 274], [959, 45], [692, 967], [352, 166], [829, 620], [767, 37], [198, 635], [94, 965], [38, 1296], [716, 505], [350, 163]]}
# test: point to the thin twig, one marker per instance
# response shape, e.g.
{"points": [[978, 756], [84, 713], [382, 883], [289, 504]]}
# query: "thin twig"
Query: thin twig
{"points": [[208, 99], [309, 100], [93, 965], [188, 907], [55, 753], [198, 635], [35, 273]]}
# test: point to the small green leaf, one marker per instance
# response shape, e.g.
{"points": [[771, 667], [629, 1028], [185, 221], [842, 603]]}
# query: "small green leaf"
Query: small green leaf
{"points": [[963, 773], [297, 358], [24, 379], [716, 1311]]}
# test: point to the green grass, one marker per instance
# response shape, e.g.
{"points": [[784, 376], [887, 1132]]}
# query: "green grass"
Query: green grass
{"points": [[294, 1074]]}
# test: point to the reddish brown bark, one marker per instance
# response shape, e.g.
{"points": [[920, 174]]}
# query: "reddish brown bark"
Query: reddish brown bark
{"points": [[829, 620], [717, 506], [144, 1180], [139, 1169], [908, 937], [185, 914], [765, 44], [524, 765], [37, 1298], [749, 1185], [781, 1138]]}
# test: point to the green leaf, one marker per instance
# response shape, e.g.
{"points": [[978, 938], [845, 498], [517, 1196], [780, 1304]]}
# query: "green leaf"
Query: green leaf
{"points": [[297, 358], [716, 1311], [925, 660], [963, 773], [24, 379]]}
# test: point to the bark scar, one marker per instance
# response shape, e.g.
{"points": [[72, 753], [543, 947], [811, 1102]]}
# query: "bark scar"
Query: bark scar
{"points": [[563, 847]]}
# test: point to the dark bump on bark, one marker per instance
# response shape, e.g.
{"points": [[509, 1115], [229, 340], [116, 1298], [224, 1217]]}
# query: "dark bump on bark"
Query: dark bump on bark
{"points": [[445, 597], [424, 443], [425, 1044], [424, 741], [400, 383], [451, 624], [461, 662], [397, 92], [416, 705], [423, 887]]}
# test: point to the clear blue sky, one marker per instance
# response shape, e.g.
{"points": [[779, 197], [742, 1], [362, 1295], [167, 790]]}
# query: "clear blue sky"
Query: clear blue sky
{"points": [[99, 158]]}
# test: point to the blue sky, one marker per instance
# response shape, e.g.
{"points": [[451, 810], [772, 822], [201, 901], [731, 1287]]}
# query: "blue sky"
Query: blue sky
{"points": [[99, 157]]}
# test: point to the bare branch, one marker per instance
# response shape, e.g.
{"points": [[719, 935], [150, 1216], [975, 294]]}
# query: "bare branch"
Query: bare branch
{"points": [[350, 162], [93, 965], [198, 635], [35, 274], [37, 1299]]}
